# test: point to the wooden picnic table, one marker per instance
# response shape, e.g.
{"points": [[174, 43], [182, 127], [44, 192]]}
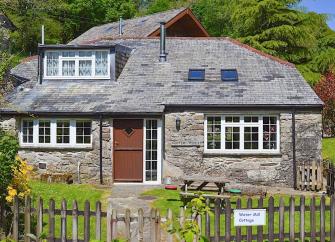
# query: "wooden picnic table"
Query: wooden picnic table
{"points": [[203, 183]]}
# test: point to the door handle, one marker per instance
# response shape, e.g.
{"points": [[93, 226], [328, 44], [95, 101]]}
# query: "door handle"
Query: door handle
{"points": [[116, 143]]}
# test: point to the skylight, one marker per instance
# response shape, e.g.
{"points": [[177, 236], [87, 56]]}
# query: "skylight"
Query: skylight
{"points": [[196, 74], [229, 75]]}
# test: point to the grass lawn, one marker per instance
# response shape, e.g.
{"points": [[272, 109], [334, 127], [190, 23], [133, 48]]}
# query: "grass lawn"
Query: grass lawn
{"points": [[328, 149], [170, 199], [81, 193]]}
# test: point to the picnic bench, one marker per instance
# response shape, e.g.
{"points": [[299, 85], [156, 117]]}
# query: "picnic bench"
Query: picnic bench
{"points": [[198, 183]]}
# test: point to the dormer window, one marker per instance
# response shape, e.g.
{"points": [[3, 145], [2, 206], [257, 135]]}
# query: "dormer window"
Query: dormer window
{"points": [[77, 64]]}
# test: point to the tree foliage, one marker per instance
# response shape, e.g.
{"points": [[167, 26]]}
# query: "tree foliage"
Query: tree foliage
{"points": [[326, 91]]}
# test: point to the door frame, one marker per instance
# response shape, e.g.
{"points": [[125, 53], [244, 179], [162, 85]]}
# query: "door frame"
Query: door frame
{"points": [[159, 152]]}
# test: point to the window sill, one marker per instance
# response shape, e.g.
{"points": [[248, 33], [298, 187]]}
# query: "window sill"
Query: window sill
{"points": [[38, 147], [242, 154]]}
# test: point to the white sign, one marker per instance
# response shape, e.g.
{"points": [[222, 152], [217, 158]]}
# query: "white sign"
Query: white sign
{"points": [[249, 217]]}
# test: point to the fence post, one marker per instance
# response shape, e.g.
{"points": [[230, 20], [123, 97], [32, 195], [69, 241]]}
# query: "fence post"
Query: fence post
{"points": [[75, 221], [87, 216], [51, 220], [332, 218], [302, 218], [249, 228], [127, 224], [16, 219], [312, 217], [207, 221], [158, 226], [322, 219], [314, 171], [152, 225], [292, 218], [98, 220], [169, 220], [27, 224], [181, 217], [281, 219], [238, 228], [217, 220], [260, 228], [39, 226], [271, 219], [114, 224], [109, 222], [63, 221], [228, 220], [140, 225]]}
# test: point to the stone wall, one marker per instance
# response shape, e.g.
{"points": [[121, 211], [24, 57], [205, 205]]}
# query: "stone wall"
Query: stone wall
{"points": [[66, 160], [184, 151]]}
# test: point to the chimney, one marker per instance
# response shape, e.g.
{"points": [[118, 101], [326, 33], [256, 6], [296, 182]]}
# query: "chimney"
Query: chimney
{"points": [[120, 27], [42, 35], [162, 54]]}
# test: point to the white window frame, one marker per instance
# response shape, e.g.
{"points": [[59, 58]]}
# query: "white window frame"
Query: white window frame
{"points": [[53, 134], [76, 58], [242, 124], [159, 152]]}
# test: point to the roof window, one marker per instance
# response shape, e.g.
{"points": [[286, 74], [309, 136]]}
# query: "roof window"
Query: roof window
{"points": [[229, 75], [196, 75]]}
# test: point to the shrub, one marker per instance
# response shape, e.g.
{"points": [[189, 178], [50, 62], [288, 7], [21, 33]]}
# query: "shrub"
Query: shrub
{"points": [[325, 89]]}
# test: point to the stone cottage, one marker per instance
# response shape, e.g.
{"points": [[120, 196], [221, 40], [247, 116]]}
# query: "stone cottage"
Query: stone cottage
{"points": [[112, 107]]}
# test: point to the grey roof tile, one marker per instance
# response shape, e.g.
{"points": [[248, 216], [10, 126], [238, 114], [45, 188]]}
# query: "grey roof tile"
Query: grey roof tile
{"points": [[146, 85]]}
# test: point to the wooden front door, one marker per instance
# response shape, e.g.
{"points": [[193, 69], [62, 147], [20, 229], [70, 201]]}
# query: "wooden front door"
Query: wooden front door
{"points": [[128, 150]]}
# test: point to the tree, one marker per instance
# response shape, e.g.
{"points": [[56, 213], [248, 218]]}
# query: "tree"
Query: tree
{"points": [[325, 89]]}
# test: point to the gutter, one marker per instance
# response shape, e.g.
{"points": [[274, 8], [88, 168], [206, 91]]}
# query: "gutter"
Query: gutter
{"points": [[84, 114]]}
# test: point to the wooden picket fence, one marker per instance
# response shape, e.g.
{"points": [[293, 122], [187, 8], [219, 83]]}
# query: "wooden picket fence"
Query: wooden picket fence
{"points": [[310, 177], [286, 220], [330, 174]]}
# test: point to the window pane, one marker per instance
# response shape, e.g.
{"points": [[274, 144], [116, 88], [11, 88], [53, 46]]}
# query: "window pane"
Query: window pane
{"points": [[68, 54], [251, 138], [232, 119], [85, 53], [85, 68], [27, 131], [83, 132], [68, 68], [151, 157], [213, 132], [63, 131], [251, 119], [229, 75], [101, 63], [269, 133], [198, 75], [232, 140], [52, 63], [44, 131]]}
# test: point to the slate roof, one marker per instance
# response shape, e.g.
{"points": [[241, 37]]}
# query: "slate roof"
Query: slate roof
{"points": [[147, 86], [136, 27]]}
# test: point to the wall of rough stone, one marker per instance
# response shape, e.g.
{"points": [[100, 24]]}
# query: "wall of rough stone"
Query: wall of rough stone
{"points": [[184, 151], [66, 160]]}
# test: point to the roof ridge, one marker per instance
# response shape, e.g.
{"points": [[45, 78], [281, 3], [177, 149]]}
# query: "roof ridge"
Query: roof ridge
{"points": [[139, 17]]}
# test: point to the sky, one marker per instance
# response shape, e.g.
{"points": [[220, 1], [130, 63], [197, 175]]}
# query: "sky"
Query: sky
{"points": [[321, 6]]}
